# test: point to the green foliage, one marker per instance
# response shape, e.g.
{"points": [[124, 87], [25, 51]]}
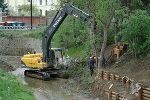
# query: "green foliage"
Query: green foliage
{"points": [[11, 89], [72, 33], [3, 5], [2, 34], [25, 10], [136, 33], [34, 34]]}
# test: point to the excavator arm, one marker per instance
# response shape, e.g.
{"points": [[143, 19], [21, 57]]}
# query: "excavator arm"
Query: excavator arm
{"points": [[66, 10]]}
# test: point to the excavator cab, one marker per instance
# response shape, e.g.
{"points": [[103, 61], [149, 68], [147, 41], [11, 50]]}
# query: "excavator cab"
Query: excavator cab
{"points": [[58, 56], [35, 60]]}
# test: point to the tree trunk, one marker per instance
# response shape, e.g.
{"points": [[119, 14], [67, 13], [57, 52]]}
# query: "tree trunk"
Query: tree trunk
{"points": [[94, 30], [106, 28]]}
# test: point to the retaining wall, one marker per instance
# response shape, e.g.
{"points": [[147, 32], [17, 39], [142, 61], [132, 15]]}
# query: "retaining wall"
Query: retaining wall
{"points": [[19, 46]]}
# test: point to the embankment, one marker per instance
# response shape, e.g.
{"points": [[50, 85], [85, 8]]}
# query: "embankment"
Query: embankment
{"points": [[18, 46]]}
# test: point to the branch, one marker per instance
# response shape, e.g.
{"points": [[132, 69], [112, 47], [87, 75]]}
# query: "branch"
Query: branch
{"points": [[102, 21], [110, 18]]}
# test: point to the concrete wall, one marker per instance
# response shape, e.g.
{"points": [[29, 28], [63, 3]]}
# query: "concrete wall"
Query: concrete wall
{"points": [[19, 46]]}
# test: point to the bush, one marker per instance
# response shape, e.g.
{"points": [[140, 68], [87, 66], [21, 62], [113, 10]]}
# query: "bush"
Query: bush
{"points": [[136, 33]]}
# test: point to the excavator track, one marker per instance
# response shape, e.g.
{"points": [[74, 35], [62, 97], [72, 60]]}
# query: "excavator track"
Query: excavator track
{"points": [[37, 74], [46, 74]]}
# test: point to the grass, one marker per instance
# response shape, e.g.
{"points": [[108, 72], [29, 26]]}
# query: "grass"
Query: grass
{"points": [[76, 51], [11, 89], [34, 33]]}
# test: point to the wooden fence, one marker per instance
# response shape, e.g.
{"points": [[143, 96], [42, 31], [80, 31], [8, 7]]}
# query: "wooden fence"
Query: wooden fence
{"points": [[113, 95], [110, 94], [142, 93]]}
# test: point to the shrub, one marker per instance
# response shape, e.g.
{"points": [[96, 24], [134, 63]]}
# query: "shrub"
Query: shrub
{"points": [[137, 33]]}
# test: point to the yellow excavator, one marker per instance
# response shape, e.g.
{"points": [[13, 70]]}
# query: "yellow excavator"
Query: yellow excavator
{"points": [[35, 60], [44, 66]]}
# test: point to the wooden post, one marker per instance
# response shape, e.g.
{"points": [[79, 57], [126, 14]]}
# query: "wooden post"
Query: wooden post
{"points": [[108, 75], [98, 85], [124, 80], [140, 93], [102, 75], [110, 95], [113, 77], [128, 83], [117, 96]]}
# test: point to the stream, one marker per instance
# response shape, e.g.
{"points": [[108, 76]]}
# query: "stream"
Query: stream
{"points": [[46, 90]]}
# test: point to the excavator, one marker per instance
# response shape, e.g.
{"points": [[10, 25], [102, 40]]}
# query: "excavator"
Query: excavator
{"points": [[44, 66]]}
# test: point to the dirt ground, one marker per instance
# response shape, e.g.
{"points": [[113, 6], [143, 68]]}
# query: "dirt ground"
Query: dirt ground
{"points": [[5, 67], [12, 62], [134, 68]]}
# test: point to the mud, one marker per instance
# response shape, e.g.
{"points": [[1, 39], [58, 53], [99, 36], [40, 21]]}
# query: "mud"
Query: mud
{"points": [[5, 67]]}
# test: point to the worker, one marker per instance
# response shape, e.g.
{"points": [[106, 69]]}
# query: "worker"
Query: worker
{"points": [[91, 65]]}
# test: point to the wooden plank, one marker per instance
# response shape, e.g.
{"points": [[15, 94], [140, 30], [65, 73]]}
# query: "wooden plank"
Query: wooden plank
{"points": [[113, 96], [145, 98], [147, 89], [117, 76], [108, 76], [104, 78], [124, 79], [110, 95], [104, 74], [146, 92], [146, 95], [117, 96], [120, 97], [114, 93], [128, 83], [140, 93], [113, 77], [106, 91]]}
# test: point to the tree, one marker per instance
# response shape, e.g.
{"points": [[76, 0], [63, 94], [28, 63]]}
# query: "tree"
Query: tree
{"points": [[136, 33], [25, 10], [3, 5]]}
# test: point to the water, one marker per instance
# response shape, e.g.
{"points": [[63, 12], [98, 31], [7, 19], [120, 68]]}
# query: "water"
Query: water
{"points": [[48, 90], [44, 90]]}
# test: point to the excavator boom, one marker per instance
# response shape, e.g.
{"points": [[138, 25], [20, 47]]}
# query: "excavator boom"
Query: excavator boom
{"points": [[66, 10], [42, 65]]}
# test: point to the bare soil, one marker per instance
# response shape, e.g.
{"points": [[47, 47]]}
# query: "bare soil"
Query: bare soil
{"points": [[134, 68], [5, 67]]}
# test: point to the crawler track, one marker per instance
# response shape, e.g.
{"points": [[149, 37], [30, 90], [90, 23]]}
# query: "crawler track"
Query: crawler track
{"points": [[46, 74]]}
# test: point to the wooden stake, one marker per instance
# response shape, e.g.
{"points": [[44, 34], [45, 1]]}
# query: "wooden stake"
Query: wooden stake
{"points": [[140, 94], [110, 95], [117, 96]]}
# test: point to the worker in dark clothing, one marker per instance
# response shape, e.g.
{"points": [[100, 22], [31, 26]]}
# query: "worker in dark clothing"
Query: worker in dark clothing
{"points": [[91, 65]]}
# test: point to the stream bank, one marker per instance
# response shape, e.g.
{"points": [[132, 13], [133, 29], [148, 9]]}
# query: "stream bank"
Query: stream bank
{"points": [[55, 89]]}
